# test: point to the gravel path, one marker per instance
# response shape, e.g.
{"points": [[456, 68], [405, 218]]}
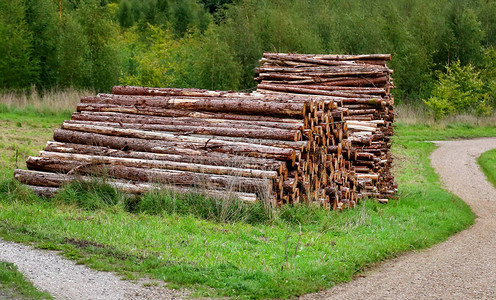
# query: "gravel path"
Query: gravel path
{"points": [[63, 279], [464, 267]]}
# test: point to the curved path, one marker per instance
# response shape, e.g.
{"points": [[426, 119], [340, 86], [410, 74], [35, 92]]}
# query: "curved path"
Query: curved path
{"points": [[63, 279], [463, 267]]}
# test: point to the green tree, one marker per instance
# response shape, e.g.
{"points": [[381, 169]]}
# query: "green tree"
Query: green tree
{"points": [[459, 90], [18, 69], [101, 36], [43, 22]]}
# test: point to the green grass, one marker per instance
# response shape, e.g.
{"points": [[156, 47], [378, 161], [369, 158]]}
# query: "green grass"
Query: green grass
{"points": [[297, 251], [487, 161], [257, 258], [425, 132], [13, 285]]}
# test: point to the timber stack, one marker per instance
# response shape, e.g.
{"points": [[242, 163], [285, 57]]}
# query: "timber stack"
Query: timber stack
{"points": [[317, 130], [360, 85], [252, 146]]}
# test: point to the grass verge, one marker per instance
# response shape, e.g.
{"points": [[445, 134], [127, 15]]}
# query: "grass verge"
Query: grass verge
{"points": [[298, 251], [13, 285], [487, 161]]}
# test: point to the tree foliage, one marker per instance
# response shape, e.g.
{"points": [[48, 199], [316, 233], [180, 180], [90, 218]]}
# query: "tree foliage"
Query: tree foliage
{"points": [[216, 44]]}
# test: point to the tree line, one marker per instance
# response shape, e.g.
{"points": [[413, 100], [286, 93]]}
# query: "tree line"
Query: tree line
{"points": [[216, 44]]}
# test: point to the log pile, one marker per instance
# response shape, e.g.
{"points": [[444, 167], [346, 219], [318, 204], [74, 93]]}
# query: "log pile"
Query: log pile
{"points": [[317, 130], [360, 85], [253, 146]]}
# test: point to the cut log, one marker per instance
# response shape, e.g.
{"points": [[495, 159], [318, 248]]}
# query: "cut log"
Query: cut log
{"points": [[182, 141], [187, 121], [36, 181], [211, 158], [162, 176], [159, 164], [233, 131], [238, 105]]}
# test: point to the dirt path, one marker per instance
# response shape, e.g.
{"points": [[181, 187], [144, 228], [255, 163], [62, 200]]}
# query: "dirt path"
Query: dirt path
{"points": [[464, 267], [63, 279]]}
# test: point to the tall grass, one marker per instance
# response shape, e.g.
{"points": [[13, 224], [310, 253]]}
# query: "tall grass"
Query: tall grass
{"points": [[409, 114], [47, 102]]}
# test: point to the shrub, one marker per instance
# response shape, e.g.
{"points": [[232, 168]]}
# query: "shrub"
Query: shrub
{"points": [[459, 90]]}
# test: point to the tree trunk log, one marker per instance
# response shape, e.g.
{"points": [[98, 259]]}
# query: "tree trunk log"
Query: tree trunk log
{"points": [[48, 183], [211, 158], [159, 164], [233, 131], [190, 142], [187, 121], [235, 105], [162, 176]]}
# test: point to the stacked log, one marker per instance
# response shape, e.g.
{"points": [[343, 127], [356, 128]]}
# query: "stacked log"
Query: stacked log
{"points": [[317, 130], [252, 146], [360, 85]]}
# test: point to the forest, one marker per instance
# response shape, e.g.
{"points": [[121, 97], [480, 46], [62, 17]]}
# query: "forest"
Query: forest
{"points": [[443, 51]]}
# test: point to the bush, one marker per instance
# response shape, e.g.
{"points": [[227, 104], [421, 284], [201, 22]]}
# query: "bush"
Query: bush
{"points": [[459, 90]]}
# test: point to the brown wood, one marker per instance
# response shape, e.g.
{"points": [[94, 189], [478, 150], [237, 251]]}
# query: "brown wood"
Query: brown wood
{"points": [[162, 176], [159, 164], [236, 105], [183, 141], [211, 158], [233, 131], [37, 181], [174, 113], [187, 121]]}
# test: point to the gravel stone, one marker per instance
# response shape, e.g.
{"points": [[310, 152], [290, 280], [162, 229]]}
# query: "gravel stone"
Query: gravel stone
{"points": [[463, 267], [63, 279]]}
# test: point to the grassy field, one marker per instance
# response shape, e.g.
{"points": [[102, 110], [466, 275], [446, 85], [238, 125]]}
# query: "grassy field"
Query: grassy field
{"points": [[487, 161], [13, 285], [299, 250]]}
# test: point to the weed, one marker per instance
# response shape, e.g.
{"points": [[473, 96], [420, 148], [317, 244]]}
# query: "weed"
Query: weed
{"points": [[13, 285]]}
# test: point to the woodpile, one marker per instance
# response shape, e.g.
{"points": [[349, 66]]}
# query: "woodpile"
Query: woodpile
{"points": [[360, 85], [316, 131]]}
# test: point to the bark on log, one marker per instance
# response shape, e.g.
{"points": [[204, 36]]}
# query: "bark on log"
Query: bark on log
{"points": [[159, 164], [37, 181], [287, 56], [157, 111], [190, 142], [238, 105], [188, 121], [162, 176], [233, 131], [211, 158]]}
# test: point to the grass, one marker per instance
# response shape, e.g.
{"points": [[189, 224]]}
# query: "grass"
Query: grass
{"points": [[13, 285], [216, 250], [297, 251], [487, 161]]}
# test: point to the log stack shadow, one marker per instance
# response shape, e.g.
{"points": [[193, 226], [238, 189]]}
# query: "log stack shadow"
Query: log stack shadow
{"points": [[294, 140]]}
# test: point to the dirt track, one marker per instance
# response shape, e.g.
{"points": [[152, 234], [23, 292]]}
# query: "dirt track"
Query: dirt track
{"points": [[464, 267], [64, 279]]}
